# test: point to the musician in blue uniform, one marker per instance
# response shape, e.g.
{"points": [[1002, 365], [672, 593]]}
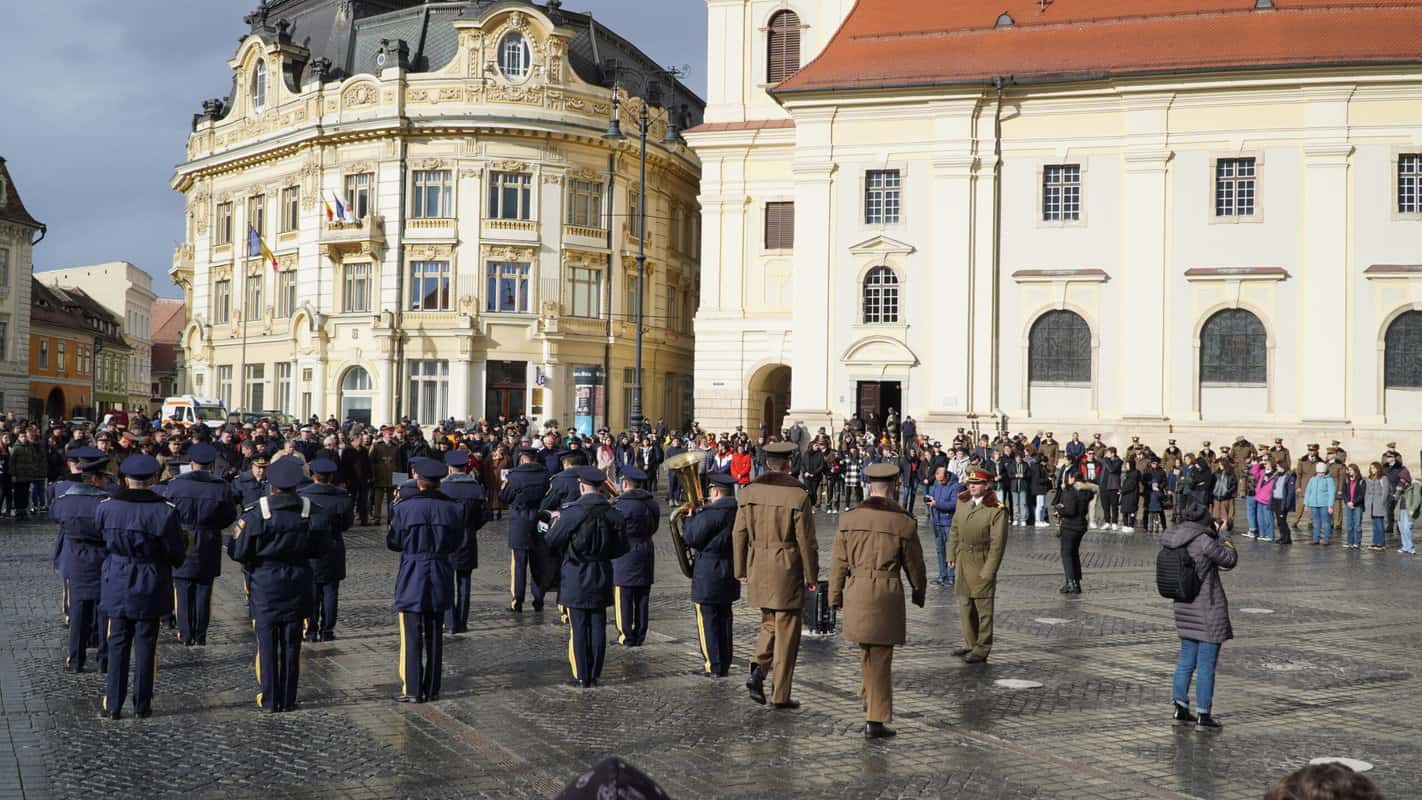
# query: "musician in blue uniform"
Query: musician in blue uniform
{"points": [[205, 507], [563, 487], [465, 490], [144, 542], [425, 530], [252, 484], [632, 574], [74, 457], [80, 556], [523, 493], [275, 541], [332, 514], [713, 577], [588, 533]]}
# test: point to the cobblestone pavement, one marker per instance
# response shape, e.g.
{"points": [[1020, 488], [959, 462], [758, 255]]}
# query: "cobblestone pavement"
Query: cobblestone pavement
{"points": [[1328, 671]]}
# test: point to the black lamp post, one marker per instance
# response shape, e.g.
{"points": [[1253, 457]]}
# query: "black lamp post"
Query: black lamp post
{"points": [[615, 135]]}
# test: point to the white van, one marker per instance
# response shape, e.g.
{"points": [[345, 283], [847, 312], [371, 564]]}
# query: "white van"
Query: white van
{"points": [[188, 410]]}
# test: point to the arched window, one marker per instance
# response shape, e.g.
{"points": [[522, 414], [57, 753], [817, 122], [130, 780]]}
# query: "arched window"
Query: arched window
{"points": [[356, 395], [1059, 349], [1234, 348], [881, 296], [514, 57], [1402, 355], [356, 380], [782, 46], [259, 86]]}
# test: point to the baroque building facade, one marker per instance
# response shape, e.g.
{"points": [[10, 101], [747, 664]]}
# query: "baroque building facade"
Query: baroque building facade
{"points": [[1196, 218], [19, 233], [421, 218]]}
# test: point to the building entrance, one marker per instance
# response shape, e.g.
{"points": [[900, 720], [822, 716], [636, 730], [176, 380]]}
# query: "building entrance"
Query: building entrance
{"points": [[506, 390], [873, 399]]}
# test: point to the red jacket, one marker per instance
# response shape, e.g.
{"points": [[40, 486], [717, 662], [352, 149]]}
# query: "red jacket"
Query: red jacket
{"points": [[741, 468]]}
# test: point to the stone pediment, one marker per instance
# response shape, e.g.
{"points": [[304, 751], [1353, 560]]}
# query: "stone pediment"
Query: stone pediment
{"points": [[881, 246], [879, 350]]}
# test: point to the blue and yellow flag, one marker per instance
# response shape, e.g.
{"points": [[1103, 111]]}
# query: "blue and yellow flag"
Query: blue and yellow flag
{"points": [[258, 248]]}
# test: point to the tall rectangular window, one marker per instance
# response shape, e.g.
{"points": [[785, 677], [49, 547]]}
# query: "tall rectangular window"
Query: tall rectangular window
{"points": [[1409, 185], [355, 288], [1234, 187], [507, 287], [634, 298], [252, 299], [587, 291], [432, 194], [429, 390], [283, 386], [224, 384], [286, 293], [429, 286], [779, 226], [1061, 192], [222, 224], [360, 194], [882, 189], [4, 338], [4, 267], [629, 380], [257, 213], [221, 301], [255, 380], [585, 204], [634, 212], [290, 209], [44, 354], [673, 310], [60, 355], [510, 195]]}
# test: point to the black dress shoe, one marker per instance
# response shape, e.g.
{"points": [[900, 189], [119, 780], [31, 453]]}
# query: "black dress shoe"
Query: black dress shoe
{"points": [[961, 652], [110, 715], [1066, 588], [878, 730], [516, 608], [1076, 587], [1182, 714], [756, 684], [974, 658], [405, 698], [789, 705], [1208, 724], [265, 710], [537, 606], [73, 668], [202, 641], [328, 636]]}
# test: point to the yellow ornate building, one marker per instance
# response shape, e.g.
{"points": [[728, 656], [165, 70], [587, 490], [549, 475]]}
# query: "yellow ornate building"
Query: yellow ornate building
{"points": [[450, 233]]}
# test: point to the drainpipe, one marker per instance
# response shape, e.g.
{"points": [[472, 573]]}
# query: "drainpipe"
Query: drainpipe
{"points": [[997, 82]]}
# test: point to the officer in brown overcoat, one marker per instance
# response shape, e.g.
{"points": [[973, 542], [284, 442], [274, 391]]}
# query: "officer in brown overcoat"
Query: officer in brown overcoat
{"points": [[976, 541], [1048, 451], [876, 541], [776, 556], [1280, 454], [1239, 454], [1173, 456], [1303, 473], [1338, 470], [385, 460]]}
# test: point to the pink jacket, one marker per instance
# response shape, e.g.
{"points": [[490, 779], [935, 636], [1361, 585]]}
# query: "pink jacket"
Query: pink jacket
{"points": [[1263, 489]]}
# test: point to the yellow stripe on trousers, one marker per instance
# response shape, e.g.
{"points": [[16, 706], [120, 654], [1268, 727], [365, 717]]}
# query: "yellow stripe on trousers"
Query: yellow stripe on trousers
{"points": [[404, 686], [258, 662], [701, 633], [177, 613], [617, 610], [513, 578], [108, 633], [572, 660]]}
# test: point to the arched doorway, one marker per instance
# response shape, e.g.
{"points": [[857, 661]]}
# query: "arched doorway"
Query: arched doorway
{"points": [[54, 405], [357, 394], [768, 398]]}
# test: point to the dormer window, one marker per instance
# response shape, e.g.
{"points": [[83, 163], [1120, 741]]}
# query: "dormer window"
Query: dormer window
{"points": [[259, 86], [514, 57]]}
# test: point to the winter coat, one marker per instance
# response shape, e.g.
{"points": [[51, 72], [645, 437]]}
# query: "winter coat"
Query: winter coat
{"points": [[1111, 473], [943, 501], [1355, 492], [1320, 491], [1286, 503], [588, 534], [1074, 504], [977, 540], [774, 546], [876, 542], [1206, 619], [1375, 496], [1130, 489], [27, 462]]}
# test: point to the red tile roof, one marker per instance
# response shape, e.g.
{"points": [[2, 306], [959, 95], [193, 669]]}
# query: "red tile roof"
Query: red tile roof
{"points": [[895, 43], [169, 317]]}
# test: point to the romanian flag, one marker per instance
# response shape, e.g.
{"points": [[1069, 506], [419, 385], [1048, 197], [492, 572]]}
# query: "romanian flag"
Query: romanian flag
{"points": [[335, 209], [258, 248]]}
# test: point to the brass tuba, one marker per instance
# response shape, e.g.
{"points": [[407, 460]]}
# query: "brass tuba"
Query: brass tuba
{"points": [[686, 467]]}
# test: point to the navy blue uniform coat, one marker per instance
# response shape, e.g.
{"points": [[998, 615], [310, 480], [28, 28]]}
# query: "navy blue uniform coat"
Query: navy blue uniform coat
{"points": [[81, 548], [469, 494], [563, 489], [248, 490], [332, 514], [713, 576], [277, 552], [143, 541], [524, 493], [589, 535], [205, 506], [641, 516], [425, 530]]}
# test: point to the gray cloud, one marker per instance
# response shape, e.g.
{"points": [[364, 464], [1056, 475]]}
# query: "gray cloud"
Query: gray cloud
{"points": [[99, 100]]}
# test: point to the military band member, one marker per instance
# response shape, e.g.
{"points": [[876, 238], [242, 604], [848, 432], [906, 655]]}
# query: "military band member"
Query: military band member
{"points": [[563, 487], [1049, 451], [80, 558], [1280, 454], [425, 530], [523, 492], [876, 541], [275, 542], [976, 542], [74, 458], [588, 532], [251, 485], [1098, 447], [713, 581], [332, 514], [777, 557], [633, 573], [465, 490], [205, 508], [143, 542]]}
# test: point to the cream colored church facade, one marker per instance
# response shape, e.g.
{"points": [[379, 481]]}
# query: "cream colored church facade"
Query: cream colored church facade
{"points": [[1194, 252], [486, 263]]}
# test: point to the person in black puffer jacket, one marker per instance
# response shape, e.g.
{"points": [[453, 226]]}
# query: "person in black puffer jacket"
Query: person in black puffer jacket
{"points": [[1203, 624], [1073, 505]]}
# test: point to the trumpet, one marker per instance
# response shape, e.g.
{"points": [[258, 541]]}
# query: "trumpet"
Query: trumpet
{"points": [[610, 489]]}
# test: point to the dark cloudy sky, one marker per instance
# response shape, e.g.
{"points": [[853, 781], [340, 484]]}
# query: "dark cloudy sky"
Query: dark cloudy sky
{"points": [[99, 96]]}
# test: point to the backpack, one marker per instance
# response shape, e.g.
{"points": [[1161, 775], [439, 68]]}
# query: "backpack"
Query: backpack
{"points": [[1175, 575]]}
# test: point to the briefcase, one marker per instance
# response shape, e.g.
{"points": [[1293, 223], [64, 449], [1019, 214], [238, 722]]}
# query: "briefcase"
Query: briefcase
{"points": [[819, 618]]}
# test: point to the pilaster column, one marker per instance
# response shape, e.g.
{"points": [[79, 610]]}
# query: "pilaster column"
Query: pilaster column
{"points": [[1144, 259], [947, 366], [459, 369], [1324, 279], [812, 370]]}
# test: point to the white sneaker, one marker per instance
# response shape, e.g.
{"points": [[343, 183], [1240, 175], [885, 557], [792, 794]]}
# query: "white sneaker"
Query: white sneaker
{"points": [[1041, 524], [1127, 530]]}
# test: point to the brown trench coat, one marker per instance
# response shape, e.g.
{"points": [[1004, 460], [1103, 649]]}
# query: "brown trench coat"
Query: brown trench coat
{"points": [[773, 543], [875, 542], [976, 542]]}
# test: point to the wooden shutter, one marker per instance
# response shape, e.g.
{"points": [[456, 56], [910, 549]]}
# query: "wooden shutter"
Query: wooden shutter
{"points": [[783, 47], [779, 226]]}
